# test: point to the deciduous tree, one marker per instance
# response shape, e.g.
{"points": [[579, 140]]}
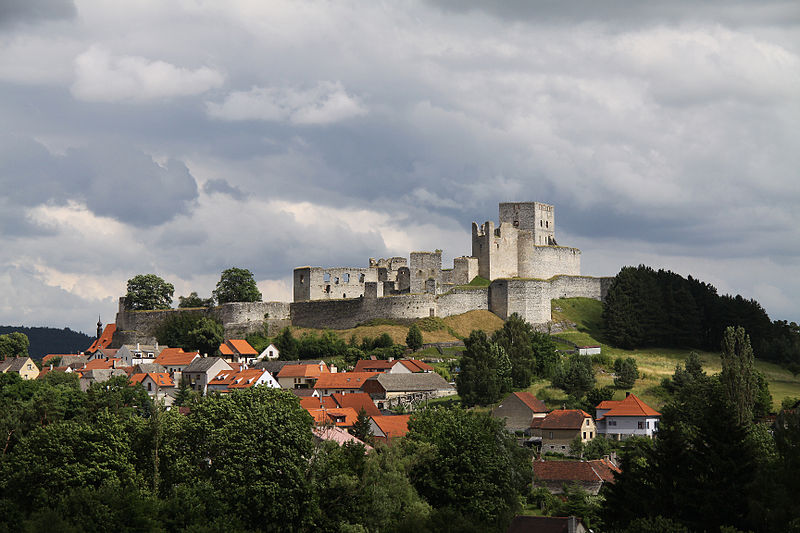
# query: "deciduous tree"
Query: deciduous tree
{"points": [[148, 291], [236, 285], [414, 338]]}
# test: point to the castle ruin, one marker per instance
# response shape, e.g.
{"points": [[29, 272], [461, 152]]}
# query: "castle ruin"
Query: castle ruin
{"points": [[524, 267]]}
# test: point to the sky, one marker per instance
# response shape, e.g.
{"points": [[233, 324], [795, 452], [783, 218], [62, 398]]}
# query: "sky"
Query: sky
{"points": [[185, 137]]}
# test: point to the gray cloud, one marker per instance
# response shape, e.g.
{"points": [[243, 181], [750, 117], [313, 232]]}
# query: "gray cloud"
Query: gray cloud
{"points": [[221, 186], [28, 11]]}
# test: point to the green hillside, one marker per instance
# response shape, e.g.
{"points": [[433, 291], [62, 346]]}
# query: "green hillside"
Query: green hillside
{"points": [[582, 316]]}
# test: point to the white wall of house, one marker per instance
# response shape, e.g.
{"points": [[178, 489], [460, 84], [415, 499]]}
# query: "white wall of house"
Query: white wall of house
{"points": [[622, 427]]}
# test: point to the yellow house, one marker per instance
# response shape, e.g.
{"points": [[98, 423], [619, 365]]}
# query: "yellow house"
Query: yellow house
{"points": [[24, 366], [559, 428]]}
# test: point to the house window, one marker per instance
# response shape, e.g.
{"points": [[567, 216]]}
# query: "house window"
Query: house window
{"points": [[591, 434], [563, 447], [149, 386], [551, 435], [584, 434], [640, 424], [647, 424], [30, 366]]}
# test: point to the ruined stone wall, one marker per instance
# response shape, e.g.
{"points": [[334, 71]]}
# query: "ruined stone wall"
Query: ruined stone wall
{"points": [[344, 314], [579, 287], [496, 250], [316, 283], [424, 266], [544, 262], [464, 270], [535, 217], [528, 298], [462, 300]]}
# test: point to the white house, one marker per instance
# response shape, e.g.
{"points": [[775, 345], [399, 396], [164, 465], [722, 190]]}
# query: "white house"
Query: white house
{"points": [[270, 353], [620, 419], [589, 350]]}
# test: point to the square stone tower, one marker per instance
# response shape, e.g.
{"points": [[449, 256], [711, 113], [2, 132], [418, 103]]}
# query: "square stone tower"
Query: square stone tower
{"points": [[535, 217]]}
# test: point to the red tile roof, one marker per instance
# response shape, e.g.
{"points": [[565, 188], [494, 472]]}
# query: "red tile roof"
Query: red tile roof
{"points": [[393, 425], [302, 371], [339, 416], [242, 347], [377, 365], [564, 419], [96, 364], [104, 340], [532, 402], [316, 402], [175, 357], [630, 406], [415, 365], [244, 379], [224, 349], [161, 379], [356, 400], [598, 470], [343, 380]]}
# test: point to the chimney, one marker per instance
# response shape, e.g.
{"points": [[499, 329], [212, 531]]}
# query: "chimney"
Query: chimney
{"points": [[627, 393]]}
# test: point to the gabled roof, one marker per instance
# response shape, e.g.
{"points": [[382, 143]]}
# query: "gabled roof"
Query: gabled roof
{"points": [[13, 364], [420, 381], [337, 435], [532, 402], [47, 358], [630, 406], [175, 357], [302, 371], [373, 365], [339, 416], [161, 379], [274, 367], [564, 419], [242, 347], [415, 365], [393, 425], [203, 364], [104, 339], [317, 402], [356, 400], [590, 471], [102, 363], [146, 368], [224, 349], [244, 379], [343, 380]]}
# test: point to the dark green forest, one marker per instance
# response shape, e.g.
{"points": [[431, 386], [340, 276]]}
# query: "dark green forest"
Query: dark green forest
{"points": [[51, 340], [658, 308]]}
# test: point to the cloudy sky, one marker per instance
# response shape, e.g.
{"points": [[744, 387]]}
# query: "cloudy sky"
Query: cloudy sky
{"points": [[185, 137]]}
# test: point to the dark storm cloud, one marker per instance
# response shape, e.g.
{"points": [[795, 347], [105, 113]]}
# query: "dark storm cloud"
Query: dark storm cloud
{"points": [[112, 180], [28, 11], [223, 187], [625, 13]]}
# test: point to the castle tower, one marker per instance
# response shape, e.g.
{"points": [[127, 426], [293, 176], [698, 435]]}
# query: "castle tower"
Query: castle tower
{"points": [[536, 217]]}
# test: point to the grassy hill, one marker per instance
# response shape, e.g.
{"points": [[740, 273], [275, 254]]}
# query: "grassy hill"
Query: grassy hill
{"points": [[434, 329], [585, 328]]}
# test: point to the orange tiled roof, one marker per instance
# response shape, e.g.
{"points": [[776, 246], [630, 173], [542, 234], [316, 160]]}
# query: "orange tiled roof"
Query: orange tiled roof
{"points": [[244, 379], [343, 380], [98, 364], [104, 339], [242, 346], [564, 419], [356, 400], [599, 470], [393, 425], [318, 402], [175, 357], [369, 365], [340, 416], [302, 371], [224, 349], [415, 365], [630, 406], [161, 379], [534, 404]]}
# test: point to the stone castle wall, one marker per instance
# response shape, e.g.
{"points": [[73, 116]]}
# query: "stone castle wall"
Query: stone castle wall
{"points": [[424, 266], [544, 262], [458, 301], [344, 314]]}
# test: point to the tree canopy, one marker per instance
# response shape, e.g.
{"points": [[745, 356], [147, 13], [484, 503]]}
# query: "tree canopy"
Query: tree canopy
{"points": [[236, 285], [193, 300], [148, 291], [14, 344], [414, 338]]}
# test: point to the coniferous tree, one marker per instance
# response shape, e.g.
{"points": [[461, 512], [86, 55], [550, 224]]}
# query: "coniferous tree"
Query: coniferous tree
{"points": [[414, 338], [738, 375], [516, 339]]}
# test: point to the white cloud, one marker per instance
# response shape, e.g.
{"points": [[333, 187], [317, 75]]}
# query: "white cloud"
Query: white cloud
{"points": [[103, 77], [326, 103]]}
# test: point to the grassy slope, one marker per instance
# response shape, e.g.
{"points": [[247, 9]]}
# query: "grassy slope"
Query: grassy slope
{"points": [[654, 363], [461, 325]]}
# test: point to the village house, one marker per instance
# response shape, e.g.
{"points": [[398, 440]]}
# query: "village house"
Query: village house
{"points": [[588, 475], [519, 409], [622, 419], [159, 385], [337, 435], [87, 377], [387, 428], [175, 359], [133, 354], [357, 401], [559, 428], [24, 366], [389, 390], [301, 376], [392, 366], [229, 380], [201, 371], [341, 382], [238, 351], [269, 353], [103, 340]]}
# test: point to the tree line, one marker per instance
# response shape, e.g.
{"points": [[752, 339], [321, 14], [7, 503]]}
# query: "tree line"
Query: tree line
{"points": [[645, 307], [109, 459]]}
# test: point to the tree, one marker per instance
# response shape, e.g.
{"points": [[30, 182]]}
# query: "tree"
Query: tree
{"points": [[205, 337], [14, 344], [504, 368], [286, 345], [627, 372], [193, 300], [469, 468], [236, 285], [414, 338], [477, 383], [576, 376], [515, 337], [738, 375], [148, 291], [544, 350], [361, 428]]}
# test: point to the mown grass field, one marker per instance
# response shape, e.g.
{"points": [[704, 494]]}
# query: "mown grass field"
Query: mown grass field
{"points": [[654, 363]]}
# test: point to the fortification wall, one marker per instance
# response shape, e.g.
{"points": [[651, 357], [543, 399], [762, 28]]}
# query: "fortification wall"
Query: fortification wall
{"points": [[344, 314], [544, 262], [316, 283], [459, 301], [579, 287], [424, 266], [528, 298]]}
